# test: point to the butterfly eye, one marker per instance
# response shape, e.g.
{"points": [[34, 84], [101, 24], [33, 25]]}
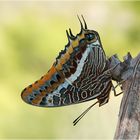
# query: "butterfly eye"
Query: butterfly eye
{"points": [[90, 36]]}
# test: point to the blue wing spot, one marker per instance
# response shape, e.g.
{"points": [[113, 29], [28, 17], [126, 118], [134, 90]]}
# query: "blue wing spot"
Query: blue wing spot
{"points": [[56, 100]]}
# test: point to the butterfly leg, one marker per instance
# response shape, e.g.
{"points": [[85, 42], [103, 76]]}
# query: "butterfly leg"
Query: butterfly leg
{"points": [[119, 83], [113, 88], [117, 94]]}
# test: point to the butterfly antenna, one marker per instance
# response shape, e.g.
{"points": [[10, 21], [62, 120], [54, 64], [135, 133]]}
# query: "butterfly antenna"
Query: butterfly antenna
{"points": [[83, 114]]}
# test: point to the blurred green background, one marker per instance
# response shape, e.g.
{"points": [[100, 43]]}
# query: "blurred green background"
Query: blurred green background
{"points": [[31, 36]]}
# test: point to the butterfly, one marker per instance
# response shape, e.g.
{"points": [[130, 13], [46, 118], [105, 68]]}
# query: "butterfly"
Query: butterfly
{"points": [[79, 74]]}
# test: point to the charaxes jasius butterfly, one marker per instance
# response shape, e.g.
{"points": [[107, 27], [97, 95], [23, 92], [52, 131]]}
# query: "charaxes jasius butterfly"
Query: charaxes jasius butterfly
{"points": [[79, 74]]}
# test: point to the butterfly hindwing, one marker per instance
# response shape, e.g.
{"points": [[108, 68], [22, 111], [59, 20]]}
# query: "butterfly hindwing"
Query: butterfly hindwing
{"points": [[78, 75]]}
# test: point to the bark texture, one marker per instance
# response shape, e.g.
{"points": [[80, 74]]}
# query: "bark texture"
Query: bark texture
{"points": [[128, 126]]}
